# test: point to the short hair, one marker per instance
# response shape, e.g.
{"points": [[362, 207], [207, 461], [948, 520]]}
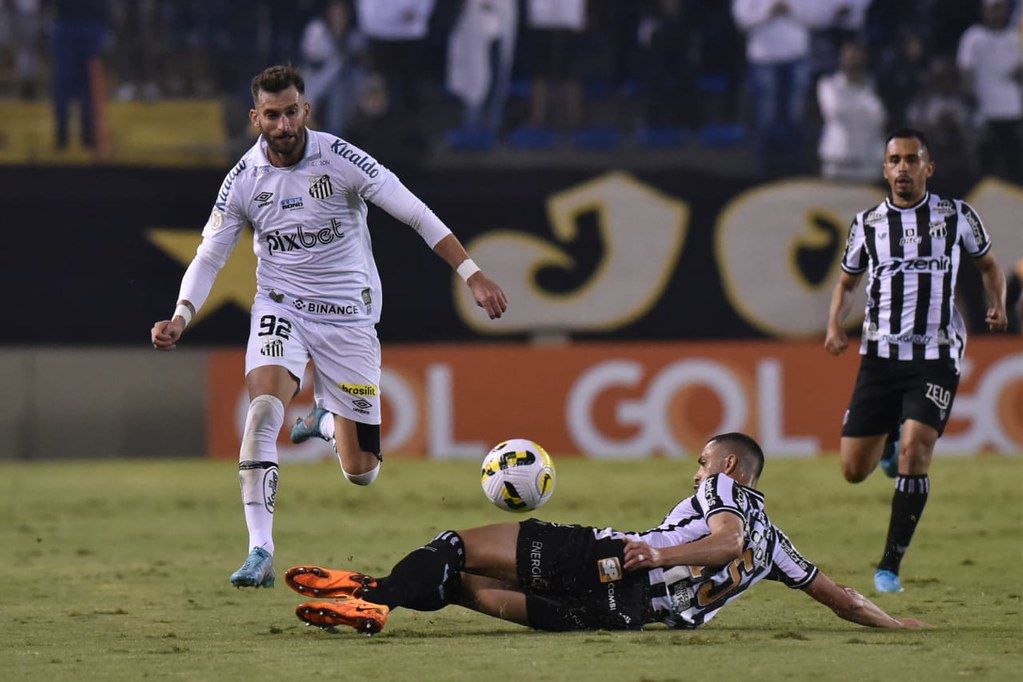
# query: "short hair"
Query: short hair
{"points": [[751, 457], [277, 79], [909, 133]]}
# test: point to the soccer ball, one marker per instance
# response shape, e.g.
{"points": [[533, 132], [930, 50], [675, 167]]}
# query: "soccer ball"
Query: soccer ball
{"points": [[518, 475]]}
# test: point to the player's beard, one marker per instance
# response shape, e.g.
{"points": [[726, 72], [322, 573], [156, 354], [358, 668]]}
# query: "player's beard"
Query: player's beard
{"points": [[286, 145], [906, 189]]}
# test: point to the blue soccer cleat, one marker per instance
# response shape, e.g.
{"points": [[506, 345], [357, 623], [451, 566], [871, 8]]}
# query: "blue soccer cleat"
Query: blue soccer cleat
{"points": [[890, 456], [307, 428], [886, 581], [257, 571]]}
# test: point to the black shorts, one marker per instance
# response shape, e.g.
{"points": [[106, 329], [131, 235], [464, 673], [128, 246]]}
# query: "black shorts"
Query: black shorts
{"points": [[890, 391], [586, 576]]}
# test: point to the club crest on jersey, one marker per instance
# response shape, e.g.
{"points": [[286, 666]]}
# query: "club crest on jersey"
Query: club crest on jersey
{"points": [[939, 395], [321, 187], [937, 229]]}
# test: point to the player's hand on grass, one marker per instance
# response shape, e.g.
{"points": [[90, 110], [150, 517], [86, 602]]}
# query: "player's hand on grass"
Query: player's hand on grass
{"points": [[488, 295], [996, 319], [165, 333], [640, 555], [836, 341], [913, 623]]}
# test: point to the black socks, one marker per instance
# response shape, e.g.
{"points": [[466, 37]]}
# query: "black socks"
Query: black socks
{"points": [[427, 578], [907, 506]]}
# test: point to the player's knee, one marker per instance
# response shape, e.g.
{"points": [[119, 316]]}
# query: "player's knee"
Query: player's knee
{"points": [[853, 472], [262, 423], [362, 474], [363, 466]]}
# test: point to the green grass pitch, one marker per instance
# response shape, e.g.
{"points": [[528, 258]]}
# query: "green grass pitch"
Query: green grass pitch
{"points": [[118, 570]]}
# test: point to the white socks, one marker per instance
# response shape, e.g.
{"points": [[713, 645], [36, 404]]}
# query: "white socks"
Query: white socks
{"points": [[327, 426], [258, 473], [362, 479]]}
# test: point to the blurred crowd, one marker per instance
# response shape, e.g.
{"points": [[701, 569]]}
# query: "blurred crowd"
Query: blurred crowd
{"points": [[807, 84]]}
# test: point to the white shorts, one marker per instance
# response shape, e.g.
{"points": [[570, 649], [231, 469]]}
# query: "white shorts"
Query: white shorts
{"points": [[346, 358]]}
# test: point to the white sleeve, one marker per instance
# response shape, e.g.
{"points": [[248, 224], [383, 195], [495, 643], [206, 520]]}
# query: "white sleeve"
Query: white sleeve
{"points": [[396, 199], [202, 271], [219, 236]]}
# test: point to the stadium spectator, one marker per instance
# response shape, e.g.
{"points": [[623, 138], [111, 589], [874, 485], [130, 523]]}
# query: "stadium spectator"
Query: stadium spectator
{"points": [[943, 113], [398, 31], [992, 64], [852, 138], [899, 69], [913, 335], [720, 54], [843, 21], [137, 32], [331, 50], [710, 548], [321, 303], [777, 52], [667, 40], [481, 51], [555, 47], [79, 29], [24, 33]]}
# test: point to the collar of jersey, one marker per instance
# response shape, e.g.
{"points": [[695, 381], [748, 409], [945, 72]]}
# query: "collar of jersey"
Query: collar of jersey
{"points": [[312, 150], [926, 198], [752, 491]]}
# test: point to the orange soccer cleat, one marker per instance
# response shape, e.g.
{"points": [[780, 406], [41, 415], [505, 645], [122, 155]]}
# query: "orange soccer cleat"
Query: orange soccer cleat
{"points": [[328, 582], [364, 616]]}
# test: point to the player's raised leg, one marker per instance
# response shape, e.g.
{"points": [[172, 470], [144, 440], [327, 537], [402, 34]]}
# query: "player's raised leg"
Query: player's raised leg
{"points": [[912, 486], [358, 449], [270, 389]]}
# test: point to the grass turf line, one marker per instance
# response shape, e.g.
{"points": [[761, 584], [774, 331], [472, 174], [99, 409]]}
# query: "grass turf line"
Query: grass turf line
{"points": [[119, 570]]}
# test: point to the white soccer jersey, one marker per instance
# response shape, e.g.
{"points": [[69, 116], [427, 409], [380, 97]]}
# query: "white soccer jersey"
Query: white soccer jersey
{"points": [[912, 257], [689, 596], [313, 245]]}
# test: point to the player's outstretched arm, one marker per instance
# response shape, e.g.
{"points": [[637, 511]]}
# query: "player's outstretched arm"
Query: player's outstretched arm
{"points": [[841, 302], [487, 293], [849, 604]]}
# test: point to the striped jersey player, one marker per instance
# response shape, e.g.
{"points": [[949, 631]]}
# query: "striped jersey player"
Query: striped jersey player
{"points": [[318, 295], [710, 549], [687, 596], [911, 247]]}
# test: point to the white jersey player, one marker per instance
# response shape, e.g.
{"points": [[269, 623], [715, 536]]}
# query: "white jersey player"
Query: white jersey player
{"points": [[318, 293]]}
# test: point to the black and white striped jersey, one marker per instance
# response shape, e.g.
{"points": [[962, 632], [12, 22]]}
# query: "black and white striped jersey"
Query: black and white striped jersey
{"points": [[689, 596], [911, 257]]}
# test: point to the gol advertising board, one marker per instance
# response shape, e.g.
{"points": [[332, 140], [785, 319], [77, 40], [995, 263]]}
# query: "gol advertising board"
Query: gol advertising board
{"points": [[629, 400]]}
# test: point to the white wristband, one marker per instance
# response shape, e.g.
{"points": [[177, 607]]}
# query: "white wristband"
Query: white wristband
{"points": [[184, 311], [467, 269]]}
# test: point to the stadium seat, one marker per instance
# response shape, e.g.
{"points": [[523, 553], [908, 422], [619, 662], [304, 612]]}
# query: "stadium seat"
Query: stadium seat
{"points": [[663, 137], [718, 135], [596, 138], [469, 139], [531, 138]]}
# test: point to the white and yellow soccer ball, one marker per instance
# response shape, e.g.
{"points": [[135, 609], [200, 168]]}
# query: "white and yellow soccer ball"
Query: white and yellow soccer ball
{"points": [[518, 475]]}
